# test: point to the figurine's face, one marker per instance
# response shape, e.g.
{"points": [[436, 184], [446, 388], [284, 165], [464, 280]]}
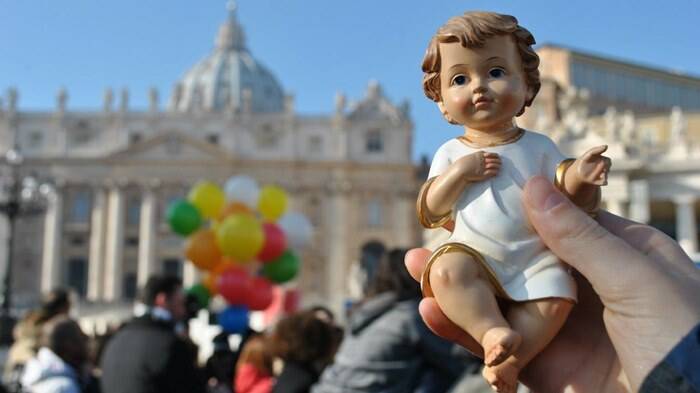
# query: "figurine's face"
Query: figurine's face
{"points": [[482, 88]]}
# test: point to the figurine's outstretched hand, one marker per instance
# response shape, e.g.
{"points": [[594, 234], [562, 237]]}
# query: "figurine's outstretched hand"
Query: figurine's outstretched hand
{"points": [[593, 167], [480, 165], [622, 325]]}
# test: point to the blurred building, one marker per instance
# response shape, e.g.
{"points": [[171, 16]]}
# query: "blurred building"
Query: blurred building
{"points": [[649, 118], [116, 170], [621, 84]]}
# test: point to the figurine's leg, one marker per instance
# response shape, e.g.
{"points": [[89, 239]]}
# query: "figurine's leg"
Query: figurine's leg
{"points": [[538, 322], [467, 298]]}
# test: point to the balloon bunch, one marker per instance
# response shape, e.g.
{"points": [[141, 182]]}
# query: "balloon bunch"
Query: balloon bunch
{"points": [[244, 238]]}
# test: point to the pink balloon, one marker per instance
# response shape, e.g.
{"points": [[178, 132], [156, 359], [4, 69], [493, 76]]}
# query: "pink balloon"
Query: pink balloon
{"points": [[234, 285], [261, 294], [275, 243]]}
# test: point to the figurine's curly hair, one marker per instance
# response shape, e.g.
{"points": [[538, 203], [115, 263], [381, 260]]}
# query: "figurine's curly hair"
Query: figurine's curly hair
{"points": [[471, 30]]}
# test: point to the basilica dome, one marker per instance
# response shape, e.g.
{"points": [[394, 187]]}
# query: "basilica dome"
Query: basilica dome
{"points": [[229, 79]]}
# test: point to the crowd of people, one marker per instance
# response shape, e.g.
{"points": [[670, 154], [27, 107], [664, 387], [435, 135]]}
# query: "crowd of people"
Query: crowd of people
{"points": [[621, 336], [385, 348]]}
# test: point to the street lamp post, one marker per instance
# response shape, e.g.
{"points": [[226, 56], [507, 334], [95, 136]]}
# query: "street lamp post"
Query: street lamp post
{"points": [[22, 199]]}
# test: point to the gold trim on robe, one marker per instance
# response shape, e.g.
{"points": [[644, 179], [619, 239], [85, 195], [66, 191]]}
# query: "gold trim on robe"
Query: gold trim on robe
{"points": [[424, 216]]}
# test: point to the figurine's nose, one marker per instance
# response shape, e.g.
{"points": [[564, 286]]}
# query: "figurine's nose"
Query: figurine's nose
{"points": [[479, 86]]}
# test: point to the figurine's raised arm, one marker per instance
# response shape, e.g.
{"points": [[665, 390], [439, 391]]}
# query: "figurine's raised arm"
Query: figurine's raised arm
{"points": [[439, 194], [582, 178]]}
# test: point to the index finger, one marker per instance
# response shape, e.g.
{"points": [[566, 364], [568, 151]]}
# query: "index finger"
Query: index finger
{"points": [[596, 150]]}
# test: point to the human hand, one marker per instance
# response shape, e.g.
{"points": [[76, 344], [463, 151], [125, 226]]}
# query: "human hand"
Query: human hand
{"points": [[479, 166], [638, 296], [593, 167]]}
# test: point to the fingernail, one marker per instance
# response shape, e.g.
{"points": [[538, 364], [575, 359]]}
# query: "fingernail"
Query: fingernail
{"points": [[542, 195]]}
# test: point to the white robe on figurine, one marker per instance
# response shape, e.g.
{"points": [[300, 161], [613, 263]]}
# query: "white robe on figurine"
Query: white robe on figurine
{"points": [[489, 217]]}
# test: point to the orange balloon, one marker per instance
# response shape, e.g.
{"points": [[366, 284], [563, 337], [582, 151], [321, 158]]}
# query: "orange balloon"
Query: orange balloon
{"points": [[202, 249], [234, 208], [210, 280]]}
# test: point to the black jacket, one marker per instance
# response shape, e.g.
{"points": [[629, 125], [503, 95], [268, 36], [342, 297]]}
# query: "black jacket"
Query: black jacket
{"points": [[295, 378], [146, 356]]}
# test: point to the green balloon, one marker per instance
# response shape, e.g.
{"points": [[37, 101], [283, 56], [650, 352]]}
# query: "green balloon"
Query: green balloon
{"points": [[201, 293], [183, 217], [283, 268]]}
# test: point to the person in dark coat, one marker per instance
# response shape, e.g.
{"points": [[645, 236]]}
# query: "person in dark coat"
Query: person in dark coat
{"points": [[387, 348], [219, 369], [146, 355]]}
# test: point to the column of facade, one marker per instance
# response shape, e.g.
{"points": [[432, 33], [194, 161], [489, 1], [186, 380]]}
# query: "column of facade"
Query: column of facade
{"points": [[51, 266], [405, 220], [148, 234], [639, 201], [98, 223], [686, 227], [4, 234], [115, 245], [615, 206], [190, 274], [337, 228]]}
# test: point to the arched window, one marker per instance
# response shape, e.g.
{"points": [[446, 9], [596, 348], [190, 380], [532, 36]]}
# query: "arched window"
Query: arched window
{"points": [[172, 267], [372, 252], [266, 137], [129, 285], [80, 206], [374, 142], [314, 147], [133, 211], [77, 275]]}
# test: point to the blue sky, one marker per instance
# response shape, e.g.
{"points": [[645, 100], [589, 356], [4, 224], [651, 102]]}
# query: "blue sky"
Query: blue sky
{"points": [[315, 47]]}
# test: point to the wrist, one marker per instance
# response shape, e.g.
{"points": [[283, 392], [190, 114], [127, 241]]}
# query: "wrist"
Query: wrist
{"points": [[564, 178], [464, 172], [425, 216], [567, 180]]}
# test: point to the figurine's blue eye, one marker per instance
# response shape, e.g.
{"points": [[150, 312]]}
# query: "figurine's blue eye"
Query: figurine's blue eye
{"points": [[497, 72], [459, 80]]}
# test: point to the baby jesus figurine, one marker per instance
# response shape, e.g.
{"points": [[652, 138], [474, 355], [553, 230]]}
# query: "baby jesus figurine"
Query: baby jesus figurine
{"points": [[481, 70]]}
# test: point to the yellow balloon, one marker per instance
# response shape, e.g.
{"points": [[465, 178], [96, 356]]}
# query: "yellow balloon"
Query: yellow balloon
{"points": [[272, 203], [241, 237], [208, 198]]}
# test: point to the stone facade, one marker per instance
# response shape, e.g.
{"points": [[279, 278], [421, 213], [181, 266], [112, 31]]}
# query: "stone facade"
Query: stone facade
{"points": [[115, 171]]}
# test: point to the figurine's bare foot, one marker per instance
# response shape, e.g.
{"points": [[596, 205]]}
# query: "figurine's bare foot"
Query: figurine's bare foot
{"points": [[502, 378], [499, 343]]}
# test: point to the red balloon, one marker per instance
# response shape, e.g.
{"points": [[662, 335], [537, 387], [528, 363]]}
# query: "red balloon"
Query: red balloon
{"points": [[275, 242], [234, 285], [261, 294]]}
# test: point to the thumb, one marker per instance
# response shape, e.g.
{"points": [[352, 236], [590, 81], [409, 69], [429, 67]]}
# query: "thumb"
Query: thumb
{"points": [[603, 258]]}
